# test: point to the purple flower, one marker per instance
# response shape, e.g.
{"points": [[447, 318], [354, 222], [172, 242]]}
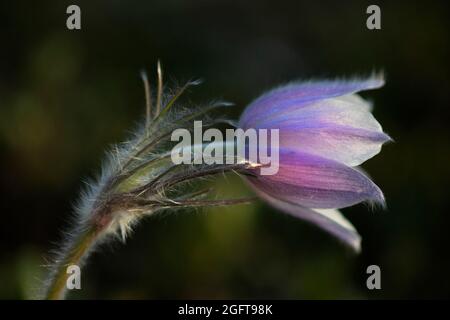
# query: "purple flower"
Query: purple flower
{"points": [[325, 131]]}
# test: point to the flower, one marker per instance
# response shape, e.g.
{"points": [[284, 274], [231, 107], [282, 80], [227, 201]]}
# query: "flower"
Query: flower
{"points": [[326, 130]]}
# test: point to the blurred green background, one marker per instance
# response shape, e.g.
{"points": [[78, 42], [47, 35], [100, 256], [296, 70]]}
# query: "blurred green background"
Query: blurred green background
{"points": [[66, 95]]}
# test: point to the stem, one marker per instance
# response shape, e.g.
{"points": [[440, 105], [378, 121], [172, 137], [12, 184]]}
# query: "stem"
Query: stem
{"points": [[73, 256]]}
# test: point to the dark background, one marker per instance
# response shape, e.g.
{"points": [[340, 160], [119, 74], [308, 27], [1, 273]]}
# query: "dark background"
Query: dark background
{"points": [[66, 95]]}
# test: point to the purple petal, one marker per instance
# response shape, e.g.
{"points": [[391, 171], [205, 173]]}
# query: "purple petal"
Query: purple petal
{"points": [[337, 111], [341, 129], [349, 146], [316, 182], [301, 94], [330, 220]]}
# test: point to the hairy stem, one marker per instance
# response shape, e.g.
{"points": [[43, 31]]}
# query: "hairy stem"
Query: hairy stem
{"points": [[74, 255]]}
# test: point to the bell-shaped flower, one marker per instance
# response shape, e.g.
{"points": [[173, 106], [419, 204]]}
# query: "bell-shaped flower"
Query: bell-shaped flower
{"points": [[325, 131]]}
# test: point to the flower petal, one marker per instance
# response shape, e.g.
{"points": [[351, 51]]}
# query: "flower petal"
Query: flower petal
{"points": [[316, 182], [346, 145], [334, 111], [341, 129], [299, 94], [330, 220]]}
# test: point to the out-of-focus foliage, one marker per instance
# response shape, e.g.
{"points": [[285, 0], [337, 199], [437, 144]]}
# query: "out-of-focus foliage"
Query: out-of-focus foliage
{"points": [[65, 95]]}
